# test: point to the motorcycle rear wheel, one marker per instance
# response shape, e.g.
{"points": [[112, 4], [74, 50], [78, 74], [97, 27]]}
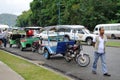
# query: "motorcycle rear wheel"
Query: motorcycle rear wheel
{"points": [[67, 57]]}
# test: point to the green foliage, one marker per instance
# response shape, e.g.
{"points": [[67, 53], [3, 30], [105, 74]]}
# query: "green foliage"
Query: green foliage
{"points": [[24, 19], [85, 12]]}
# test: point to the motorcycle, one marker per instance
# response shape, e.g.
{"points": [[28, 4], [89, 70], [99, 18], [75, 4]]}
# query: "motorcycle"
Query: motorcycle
{"points": [[38, 46], [75, 52]]}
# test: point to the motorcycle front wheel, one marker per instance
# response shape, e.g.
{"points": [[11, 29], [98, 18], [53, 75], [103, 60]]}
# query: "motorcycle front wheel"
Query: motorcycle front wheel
{"points": [[83, 61]]}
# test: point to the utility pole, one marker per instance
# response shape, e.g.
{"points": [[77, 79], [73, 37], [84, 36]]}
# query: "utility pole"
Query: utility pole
{"points": [[59, 12]]}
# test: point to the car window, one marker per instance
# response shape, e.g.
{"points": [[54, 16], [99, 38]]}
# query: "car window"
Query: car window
{"points": [[73, 31], [64, 30], [80, 31], [107, 27], [96, 29], [67, 30]]}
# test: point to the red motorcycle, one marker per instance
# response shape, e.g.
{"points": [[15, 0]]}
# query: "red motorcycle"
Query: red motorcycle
{"points": [[75, 52]]}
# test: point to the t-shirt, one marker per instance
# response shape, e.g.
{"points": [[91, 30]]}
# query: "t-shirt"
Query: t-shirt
{"points": [[4, 35], [100, 45]]}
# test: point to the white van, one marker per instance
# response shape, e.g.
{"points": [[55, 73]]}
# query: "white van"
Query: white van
{"points": [[111, 30], [77, 32]]}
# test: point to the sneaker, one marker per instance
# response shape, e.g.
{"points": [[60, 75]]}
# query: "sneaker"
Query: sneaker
{"points": [[106, 74], [94, 72]]}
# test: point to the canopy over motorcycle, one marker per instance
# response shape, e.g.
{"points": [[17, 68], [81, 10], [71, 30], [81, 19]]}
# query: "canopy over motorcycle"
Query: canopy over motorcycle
{"points": [[58, 46], [65, 47], [30, 37]]}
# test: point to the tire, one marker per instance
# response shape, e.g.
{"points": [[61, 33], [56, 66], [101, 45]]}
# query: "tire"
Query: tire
{"points": [[83, 62], [113, 36], [46, 54], [18, 45], [10, 45], [89, 41], [33, 49], [21, 48], [41, 50], [67, 56]]}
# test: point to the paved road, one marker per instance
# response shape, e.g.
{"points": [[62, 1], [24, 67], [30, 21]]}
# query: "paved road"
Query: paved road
{"points": [[115, 40], [113, 61]]}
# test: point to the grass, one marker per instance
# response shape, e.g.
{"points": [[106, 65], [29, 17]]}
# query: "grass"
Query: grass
{"points": [[113, 43], [109, 43], [28, 70]]}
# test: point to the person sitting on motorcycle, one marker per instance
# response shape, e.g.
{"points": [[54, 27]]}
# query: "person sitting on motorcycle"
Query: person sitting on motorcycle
{"points": [[66, 38]]}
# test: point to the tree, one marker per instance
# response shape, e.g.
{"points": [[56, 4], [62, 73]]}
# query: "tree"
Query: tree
{"points": [[76, 12], [24, 19]]}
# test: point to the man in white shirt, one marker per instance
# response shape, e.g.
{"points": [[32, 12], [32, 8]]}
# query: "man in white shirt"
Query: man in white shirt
{"points": [[99, 45]]}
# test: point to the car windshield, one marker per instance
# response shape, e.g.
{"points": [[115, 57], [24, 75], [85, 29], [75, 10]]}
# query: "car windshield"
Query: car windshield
{"points": [[86, 31]]}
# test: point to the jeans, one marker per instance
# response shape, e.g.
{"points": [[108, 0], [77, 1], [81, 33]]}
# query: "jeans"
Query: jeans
{"points": [[5, 42], [103, 62]]}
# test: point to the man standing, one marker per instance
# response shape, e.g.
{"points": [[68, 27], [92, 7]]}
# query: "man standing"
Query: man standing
{"points": [[99, 45], [5, 35]]}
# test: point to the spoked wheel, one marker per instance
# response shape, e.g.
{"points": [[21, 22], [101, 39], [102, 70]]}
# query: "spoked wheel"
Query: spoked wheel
{"points": [[84, 60], [89, 41], [18, 45], [46, 54], [113, 36], [67, 57], [41, 50]]}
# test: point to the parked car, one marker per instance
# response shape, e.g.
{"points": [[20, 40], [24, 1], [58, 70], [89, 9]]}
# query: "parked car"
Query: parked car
{"points": [[27, 42], [77, 32], [15, 39], [30, 37], [111, 30]]}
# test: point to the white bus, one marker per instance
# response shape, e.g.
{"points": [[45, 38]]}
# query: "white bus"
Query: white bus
{"points": [[111, 30]]}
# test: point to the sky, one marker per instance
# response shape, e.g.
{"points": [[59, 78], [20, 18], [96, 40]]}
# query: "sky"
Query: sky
{"points": [[14, 6]]}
